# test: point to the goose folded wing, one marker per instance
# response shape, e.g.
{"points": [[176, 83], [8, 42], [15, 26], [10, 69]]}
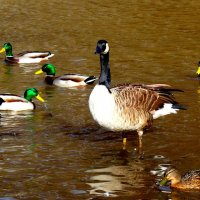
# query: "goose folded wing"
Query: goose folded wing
{"points": [[145, 97]]}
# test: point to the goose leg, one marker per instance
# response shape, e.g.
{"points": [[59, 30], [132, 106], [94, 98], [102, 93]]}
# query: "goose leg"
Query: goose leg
{"points": [[140, 133], [124, 136]]}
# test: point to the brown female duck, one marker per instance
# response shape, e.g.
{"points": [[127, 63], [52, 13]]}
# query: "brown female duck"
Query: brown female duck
{"points": [[190, 180]]}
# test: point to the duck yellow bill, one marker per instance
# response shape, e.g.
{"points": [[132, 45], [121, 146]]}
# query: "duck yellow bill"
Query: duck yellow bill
{"points": [[198, 71], [2, 50], [39, 71], [163, 182], [40, 98]]}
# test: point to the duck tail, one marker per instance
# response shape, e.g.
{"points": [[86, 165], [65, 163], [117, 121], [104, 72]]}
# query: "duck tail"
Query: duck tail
{"points": [[50, 55], [90, 80]]}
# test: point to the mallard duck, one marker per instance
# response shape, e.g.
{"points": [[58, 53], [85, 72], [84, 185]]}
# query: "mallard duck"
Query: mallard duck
{"points": [[66, 80], [14, 102], [25, 57], [190, 180], [198, 70], [128, 106]]}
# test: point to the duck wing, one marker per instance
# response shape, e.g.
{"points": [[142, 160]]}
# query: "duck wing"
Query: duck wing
{"points": [[11, 98], [35, 54], [71, 80], [192, 175], [73, 77]]}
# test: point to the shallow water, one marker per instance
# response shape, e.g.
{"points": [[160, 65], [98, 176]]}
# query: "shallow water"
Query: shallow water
{"points": [[58, 151]]}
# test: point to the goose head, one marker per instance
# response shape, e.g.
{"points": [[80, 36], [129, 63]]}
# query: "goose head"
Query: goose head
{"points": [[102, 47]]}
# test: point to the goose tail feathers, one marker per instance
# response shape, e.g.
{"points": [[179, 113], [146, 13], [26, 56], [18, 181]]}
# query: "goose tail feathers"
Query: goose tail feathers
{"points": [[168, 108], [179, 107]]}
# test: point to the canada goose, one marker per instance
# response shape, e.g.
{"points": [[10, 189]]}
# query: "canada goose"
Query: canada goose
{"points": [[128, 106], [26, 56], [66, 80], [190, 180]]}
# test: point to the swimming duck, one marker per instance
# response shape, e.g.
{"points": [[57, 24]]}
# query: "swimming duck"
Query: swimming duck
{"points": [[25, 57], [13, 102], [128, 106], [66, 80], [198, 70], [190, 180]]}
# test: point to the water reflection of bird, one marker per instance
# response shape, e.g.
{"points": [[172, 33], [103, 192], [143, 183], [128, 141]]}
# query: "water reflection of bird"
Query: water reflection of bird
{"points": [[112, 180], [16, 103], [25, 57], [66, 80], [190, 180], [128, 106]]}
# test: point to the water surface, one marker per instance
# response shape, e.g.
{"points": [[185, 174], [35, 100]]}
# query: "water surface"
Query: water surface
{"points": [[58, 151]]}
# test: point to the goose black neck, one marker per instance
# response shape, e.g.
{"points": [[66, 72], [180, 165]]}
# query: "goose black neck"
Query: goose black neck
{"points": [[105, 77]]}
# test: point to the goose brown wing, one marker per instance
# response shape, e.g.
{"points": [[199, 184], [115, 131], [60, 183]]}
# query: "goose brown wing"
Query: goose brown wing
{"points": [[145, 97]]}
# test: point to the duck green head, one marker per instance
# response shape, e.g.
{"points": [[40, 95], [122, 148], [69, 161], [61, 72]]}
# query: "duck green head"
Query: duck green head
{"points": [[7, 47], [48, 68], [32, 92]]}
